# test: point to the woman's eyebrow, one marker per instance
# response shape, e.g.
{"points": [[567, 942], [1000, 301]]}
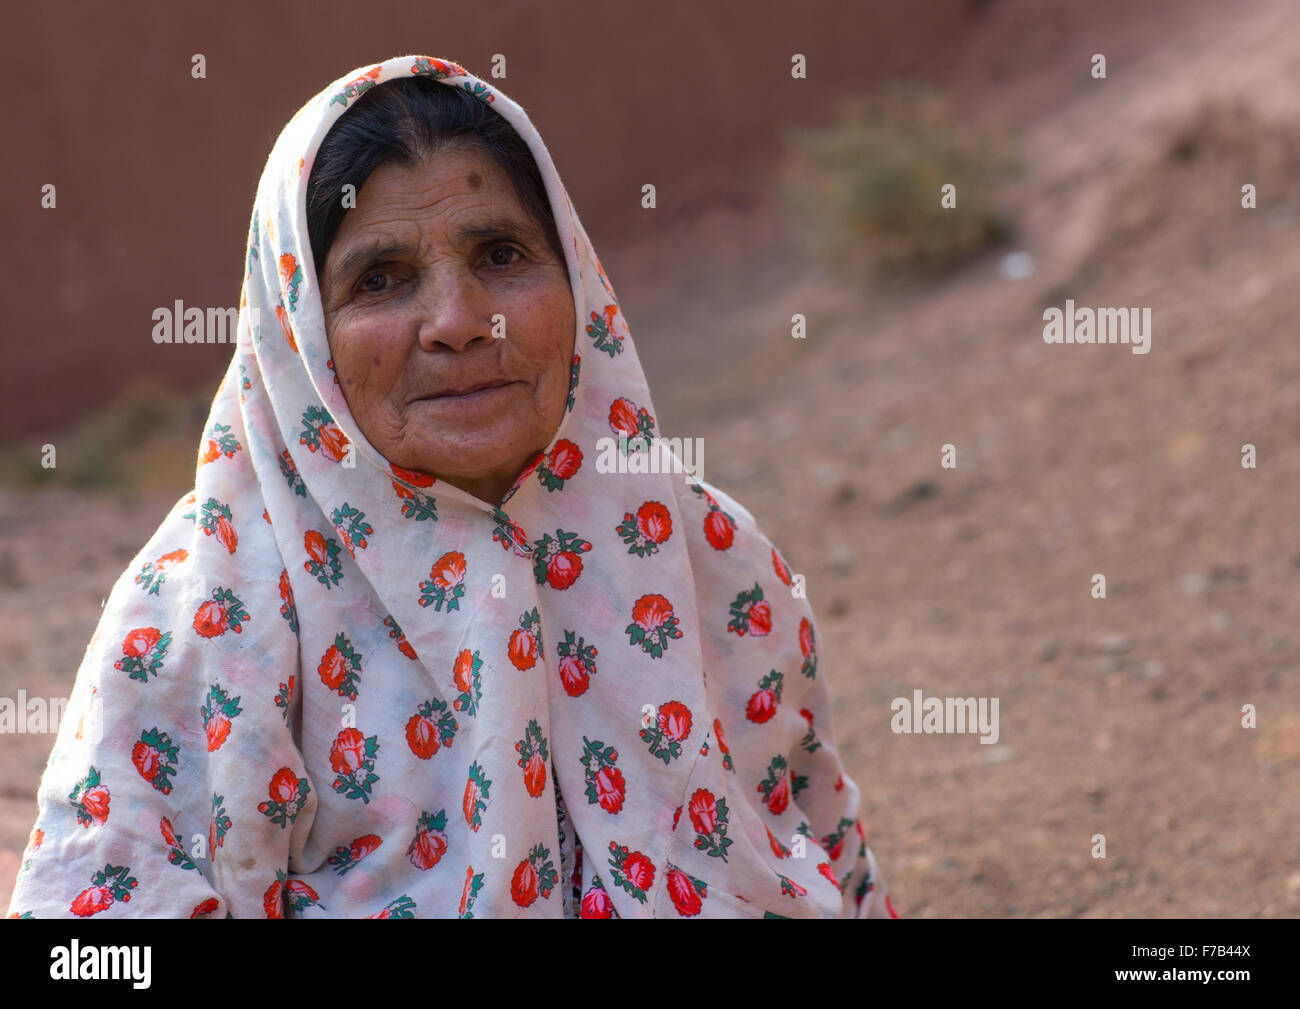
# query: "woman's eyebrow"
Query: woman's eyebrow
{"points": [[504, 228]]}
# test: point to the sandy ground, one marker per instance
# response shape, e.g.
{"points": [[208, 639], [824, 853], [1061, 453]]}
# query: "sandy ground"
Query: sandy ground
{"points": [[1118, 716]]}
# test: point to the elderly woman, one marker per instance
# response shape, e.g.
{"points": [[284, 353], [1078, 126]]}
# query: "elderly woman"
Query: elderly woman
{"points": [[407, 650]]}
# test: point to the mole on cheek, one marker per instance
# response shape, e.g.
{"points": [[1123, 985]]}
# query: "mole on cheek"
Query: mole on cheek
{"points": [[474, 180], [376, 360]]}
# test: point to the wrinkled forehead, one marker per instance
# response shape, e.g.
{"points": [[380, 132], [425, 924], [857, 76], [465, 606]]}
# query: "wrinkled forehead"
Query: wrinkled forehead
{"points": [[281, 206], [457, 198]]}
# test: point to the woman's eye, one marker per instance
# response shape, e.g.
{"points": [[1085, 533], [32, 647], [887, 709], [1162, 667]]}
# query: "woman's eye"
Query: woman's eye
{"points": [[370, 288], [509, 250]]}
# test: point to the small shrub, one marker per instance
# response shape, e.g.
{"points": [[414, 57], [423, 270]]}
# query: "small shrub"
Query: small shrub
{"points": [[872, 184]]}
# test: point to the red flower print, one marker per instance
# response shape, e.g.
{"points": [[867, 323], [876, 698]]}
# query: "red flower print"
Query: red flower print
{"points": [[532, 758], [790, 888], [639, 870], [535, 775], [169, 834], [651, 612], [139, 641], [348, 751], [653, 624], [573, 674], [675, 720], [462, 669], [510, 534], [446, 582], [168, 560], [283, 316], [430, 842], [562, 569], [95, 802], [113, 882], [331, 668], [623, 417], [762, 706], [596, 903], [92, 901], [205, 907], [825, 869], [760, 619], [288, 796], [704, 811], [422, 736], [449, 570], [610, 789], [718, 530], [273, 900], [605, 784], [523, 884], [779, 797], [218, 728], [779, 566], [284, 785], [226, 533], [654, 522], [564, 460], [299, 894], [467, 891], [805, 637], [317, 549], [211, 619], [147, 760], [522, 649], [475, 799], [535, 876], [717, 734], [683, 893], [333, 442], [557, 559], [412, 476]]}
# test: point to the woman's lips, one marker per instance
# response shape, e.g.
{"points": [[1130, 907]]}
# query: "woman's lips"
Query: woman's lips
{"points": [[481, 394]]}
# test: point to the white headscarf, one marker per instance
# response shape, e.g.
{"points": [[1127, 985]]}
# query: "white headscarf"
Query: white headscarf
{"points": [[309, 695]]}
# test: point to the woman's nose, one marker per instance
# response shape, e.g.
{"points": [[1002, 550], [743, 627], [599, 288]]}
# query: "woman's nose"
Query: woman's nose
{"points": [[454, 309]]}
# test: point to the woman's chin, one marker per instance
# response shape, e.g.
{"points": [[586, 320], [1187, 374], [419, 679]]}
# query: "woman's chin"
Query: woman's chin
{"points": [[473, 464]]}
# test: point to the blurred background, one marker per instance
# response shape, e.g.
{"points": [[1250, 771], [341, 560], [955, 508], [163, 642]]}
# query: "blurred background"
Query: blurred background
{"points": [[818, 196]]}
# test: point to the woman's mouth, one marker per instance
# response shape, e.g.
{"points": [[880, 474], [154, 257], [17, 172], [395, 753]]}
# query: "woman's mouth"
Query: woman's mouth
{"points": [[470, 395]]}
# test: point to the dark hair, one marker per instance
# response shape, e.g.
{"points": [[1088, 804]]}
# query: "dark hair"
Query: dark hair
{"points": [[404, 121]]}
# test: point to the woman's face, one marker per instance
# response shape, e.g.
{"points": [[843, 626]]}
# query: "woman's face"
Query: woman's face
{"points": [[416, 273]]}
